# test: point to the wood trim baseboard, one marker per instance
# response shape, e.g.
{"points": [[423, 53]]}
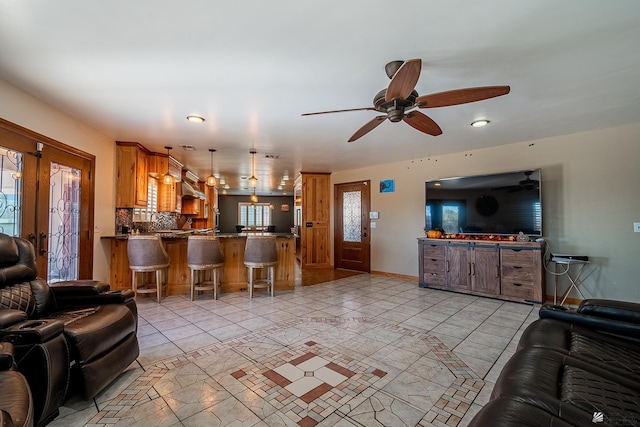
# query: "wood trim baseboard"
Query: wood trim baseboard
{"points": [[396, 275]]}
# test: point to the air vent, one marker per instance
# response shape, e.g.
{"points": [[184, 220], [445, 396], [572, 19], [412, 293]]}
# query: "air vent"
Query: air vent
{"points": [[189, 148], [272, 156]]}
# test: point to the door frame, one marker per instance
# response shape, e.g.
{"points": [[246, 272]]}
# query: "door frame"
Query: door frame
{"points": [[30, 225], [365, 246]]}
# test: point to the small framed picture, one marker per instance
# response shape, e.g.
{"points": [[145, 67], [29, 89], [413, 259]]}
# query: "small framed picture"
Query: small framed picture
{"points": [[387, 186], [284, 207]]}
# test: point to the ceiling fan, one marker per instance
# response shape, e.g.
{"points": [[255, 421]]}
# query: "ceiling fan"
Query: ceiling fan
{"points": [[525, 184], [400, 99]]}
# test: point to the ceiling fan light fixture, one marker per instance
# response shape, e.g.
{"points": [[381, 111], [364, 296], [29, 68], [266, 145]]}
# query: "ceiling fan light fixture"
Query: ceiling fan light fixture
{"points": [[480, 123], [195, 119]]}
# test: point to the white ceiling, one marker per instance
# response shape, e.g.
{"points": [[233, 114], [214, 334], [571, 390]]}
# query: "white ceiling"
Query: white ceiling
{"points": [[135, 69]]}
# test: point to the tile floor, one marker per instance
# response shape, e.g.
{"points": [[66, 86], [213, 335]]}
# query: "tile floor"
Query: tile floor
{"points": [[366, 350]]}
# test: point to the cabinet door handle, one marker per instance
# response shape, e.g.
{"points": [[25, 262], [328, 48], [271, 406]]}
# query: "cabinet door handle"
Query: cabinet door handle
{"points": [[469, 269], [517, 284], [497, 271], [517, 267], [473, 268], [448, 270]]}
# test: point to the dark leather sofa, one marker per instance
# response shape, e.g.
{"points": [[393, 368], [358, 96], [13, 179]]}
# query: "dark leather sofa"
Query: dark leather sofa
{"points": [[572, 368], [16, 405], [70, 338]]}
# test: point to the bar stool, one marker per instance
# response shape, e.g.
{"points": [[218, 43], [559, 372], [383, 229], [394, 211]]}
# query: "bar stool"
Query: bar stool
{"points": [[261, 252], [146, 254], [204, 254]]}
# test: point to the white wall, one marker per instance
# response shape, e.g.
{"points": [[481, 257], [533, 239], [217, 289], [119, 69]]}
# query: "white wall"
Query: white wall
{"points": [[591, 197], [22, 109]]}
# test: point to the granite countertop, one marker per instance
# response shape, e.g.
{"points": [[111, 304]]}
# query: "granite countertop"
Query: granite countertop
{"points": [[184, 234]]}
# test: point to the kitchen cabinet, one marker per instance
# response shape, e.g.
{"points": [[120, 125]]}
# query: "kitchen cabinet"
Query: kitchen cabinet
{"points": [[132, 174], [233, 277], [191, 206], [505, 270]]}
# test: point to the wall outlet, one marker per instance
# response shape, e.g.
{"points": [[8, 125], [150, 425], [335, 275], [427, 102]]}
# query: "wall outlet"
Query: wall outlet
{"points": [[636, 227]]}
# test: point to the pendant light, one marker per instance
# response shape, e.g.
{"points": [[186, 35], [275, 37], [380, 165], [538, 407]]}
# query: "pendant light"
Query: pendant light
{"points": [[167, 178], [211, 179], [253, 181]]}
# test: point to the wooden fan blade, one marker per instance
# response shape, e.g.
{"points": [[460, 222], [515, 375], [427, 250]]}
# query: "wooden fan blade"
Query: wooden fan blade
{"points": [[339, 111], [422, 122], [368, 127], [460, 96], [404, 80]]}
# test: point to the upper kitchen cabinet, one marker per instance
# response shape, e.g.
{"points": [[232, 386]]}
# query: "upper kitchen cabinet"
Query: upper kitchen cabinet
{"points": [[132, 175]]}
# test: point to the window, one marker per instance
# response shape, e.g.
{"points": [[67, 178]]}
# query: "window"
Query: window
{"points": [[145, 215], [254, 214]]}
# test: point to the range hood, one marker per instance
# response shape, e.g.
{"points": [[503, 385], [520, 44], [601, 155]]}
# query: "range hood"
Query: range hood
{"points": [[189, 191]]}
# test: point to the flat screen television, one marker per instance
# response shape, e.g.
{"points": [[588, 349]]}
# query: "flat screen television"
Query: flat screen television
{"points": [[499, 204]]}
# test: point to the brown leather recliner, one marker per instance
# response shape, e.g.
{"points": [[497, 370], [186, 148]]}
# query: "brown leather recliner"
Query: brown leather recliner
{"points": [[16, 405], [69, 337]]}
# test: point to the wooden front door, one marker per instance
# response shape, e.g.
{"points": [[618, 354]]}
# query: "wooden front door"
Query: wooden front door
{"points": [[46, 196], [352, 248]]}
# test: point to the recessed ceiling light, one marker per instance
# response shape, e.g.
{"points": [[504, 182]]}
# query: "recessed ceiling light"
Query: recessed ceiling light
{"points": [[480, 123], [195, 119]]}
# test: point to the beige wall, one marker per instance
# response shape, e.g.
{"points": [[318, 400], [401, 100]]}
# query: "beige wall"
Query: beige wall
{"points": [[589, 185], [591, 197], [27, 111]]}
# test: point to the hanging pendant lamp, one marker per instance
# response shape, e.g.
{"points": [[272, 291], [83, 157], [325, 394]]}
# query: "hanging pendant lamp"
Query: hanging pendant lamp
{"points": [[211, 179], [253, 181], [167, 178]]}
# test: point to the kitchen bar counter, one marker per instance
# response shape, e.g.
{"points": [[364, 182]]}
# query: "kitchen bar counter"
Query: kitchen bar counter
{"points": [[234, 272]]}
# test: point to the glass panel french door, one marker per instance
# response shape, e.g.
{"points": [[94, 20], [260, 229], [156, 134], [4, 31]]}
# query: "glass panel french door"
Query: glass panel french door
{"points": [[46, 197], [64, 223], [10, 191]]}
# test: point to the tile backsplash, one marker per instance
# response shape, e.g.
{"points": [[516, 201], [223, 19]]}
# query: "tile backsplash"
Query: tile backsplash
{"points": [[161, 221]]}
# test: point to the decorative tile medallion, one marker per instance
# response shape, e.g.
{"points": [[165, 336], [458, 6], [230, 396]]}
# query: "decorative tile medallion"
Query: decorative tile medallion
{"points": [[308, 382]]}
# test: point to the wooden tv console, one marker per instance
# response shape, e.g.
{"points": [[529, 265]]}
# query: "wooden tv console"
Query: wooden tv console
{"points": [[499, 269]]}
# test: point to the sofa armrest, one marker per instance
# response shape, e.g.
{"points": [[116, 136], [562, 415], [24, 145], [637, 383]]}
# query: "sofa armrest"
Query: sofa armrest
{"points": [[32, 332], [611, 309], [604, 324], [78, 288], [10, 316], [6, 356], [71, 301]]}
